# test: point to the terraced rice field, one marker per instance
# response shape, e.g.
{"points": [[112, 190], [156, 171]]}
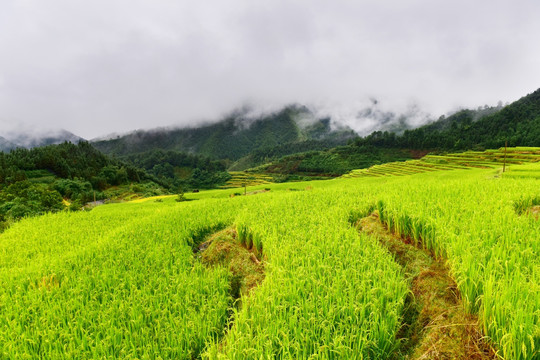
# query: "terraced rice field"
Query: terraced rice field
{"points": [[241, 178], [127, 281], [465, 160], [525, 171]]}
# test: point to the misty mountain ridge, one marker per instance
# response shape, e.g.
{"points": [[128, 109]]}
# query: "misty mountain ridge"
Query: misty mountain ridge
{"points": [[36, 138], [517, 124], [6, 145], [245, 130], [309, 124], [242, 117], [375, 117], [486, 127], [235, 136], [248, 129]]}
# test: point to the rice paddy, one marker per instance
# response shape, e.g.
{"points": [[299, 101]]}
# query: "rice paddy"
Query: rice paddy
{"points": [[466, 160], [124, 280], [241, 179]]}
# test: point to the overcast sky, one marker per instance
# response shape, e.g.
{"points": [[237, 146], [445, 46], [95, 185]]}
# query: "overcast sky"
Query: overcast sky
{"points": [[102, 66]]}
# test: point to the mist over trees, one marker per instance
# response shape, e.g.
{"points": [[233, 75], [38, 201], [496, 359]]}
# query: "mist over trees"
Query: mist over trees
{"points": [[484, 128]]}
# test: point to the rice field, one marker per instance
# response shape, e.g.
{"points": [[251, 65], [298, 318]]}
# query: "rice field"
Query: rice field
{"points": [[489, 159], [240, 179], [124, 281]]}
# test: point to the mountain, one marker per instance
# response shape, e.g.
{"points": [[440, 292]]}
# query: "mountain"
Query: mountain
{"points": [[482, 128], [485, 128], [32, 139], [235, 136], [6, 145]]}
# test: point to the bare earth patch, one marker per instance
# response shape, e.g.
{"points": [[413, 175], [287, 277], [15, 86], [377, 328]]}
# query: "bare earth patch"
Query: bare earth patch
{"points": [[224, 249], [535, 211], [435, 325]]}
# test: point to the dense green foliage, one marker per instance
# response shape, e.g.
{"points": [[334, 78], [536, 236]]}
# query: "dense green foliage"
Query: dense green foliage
{"points": [[24, 198], [517, 123], [67, 161], [267, 155], [232, 138], [333, 162], [181, 170], [37, 180]]}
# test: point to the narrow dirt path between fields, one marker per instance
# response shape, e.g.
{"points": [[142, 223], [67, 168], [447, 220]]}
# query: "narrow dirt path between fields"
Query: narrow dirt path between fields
{"points": [[434, 325]]}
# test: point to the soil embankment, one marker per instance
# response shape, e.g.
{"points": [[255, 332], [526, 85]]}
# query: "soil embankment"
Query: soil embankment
{"points": [[224, 249], [435, 325]]}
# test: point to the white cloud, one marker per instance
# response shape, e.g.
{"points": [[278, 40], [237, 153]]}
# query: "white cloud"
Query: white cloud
{"points": [[110, 66]]}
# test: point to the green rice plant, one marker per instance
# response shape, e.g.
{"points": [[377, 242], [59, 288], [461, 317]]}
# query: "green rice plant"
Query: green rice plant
{"points": [[328, 292], [524, 203], [468, 159], [117, 282], [123, 280]]}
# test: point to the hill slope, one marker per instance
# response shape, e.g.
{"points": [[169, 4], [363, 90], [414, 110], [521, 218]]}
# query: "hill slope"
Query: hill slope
{"points": [[46, 179], [517, 123], [332, 162], [6, 145], [31, 139], [485, 127], [295, 130], [234, 137], [180, 170]]}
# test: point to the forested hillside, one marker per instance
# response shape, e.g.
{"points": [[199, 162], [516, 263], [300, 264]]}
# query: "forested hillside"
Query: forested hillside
{"points": [[55, 177], [181, 170], [485, 127], [332, 162], [234, 137], [517, 123], [285, 143], [31, 138]]}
